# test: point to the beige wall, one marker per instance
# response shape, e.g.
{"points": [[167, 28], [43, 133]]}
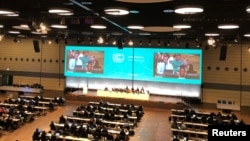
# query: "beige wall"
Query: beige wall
{"points": [[237, 57]]}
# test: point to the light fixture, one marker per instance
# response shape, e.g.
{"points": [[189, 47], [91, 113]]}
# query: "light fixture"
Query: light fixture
{"points": [[14, 32], [212, 34], [181, 26], [98, 26], [130, 42], [100, 40], [116, 11], [21, 27], [247, 35], [248, 9], [135, 27], [5, 12], [59, 10], [59, 26], [188, 9], [228, 26], [211, 41], [1, 26]]}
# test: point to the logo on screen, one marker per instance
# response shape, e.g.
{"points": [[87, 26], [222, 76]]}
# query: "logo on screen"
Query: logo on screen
{"points": [[118, 57]]}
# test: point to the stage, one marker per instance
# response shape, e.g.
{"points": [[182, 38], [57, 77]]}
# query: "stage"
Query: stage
{"points": [[153, 101]]}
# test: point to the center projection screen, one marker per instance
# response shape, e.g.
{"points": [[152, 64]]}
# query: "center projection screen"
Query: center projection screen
{"points": [[138, 64]]}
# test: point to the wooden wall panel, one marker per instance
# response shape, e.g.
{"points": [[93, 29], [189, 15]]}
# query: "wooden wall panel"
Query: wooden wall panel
{"points": [[245, 96], [211, 96], [47, 83]]}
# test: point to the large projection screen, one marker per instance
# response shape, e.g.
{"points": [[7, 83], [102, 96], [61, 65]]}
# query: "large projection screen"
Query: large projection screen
{"points": [[164, 71]]}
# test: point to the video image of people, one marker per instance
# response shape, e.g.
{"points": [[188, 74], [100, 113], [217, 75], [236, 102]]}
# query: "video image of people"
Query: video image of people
{"points": [[182, 66], [85, 61]]}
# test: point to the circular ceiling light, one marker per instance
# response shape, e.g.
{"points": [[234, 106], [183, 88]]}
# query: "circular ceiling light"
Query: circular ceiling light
{"points": [[59, 26], [182, 26], [60, 11], [188, 9], [135, 27], [1, 26], [212, 34], [228, 26], [97, 26], [116, 11]]}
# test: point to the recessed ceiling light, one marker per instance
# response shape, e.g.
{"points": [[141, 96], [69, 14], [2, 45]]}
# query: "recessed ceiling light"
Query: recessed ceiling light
{"points": [[247, 35], [66, 14], [1, 26], [38, 33], [59, 10], [14, 32], [116, 11], [98, 26], [182, 26], [188, 9], [248, 9], [135, 27], [228, 26], [6, 12], [59, 26], [212, 34], [22, 27]]}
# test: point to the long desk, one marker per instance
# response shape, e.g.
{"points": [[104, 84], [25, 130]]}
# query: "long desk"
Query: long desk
{"points": [[21, 89], [191, 134], [125, 95]]}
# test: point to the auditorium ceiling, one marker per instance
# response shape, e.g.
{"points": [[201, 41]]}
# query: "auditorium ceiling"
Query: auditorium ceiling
{"points": [[155, 17]]}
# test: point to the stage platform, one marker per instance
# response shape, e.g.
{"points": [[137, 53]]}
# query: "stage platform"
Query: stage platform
{"points": [[154, 101]]}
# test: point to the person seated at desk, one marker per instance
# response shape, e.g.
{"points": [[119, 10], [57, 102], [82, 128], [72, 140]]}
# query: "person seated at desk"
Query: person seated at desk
{"points": [[62, 119], [36, 135], [176, 138], [183, 126], [142, 90], [174, 125], [52, 126], [44, 136]]}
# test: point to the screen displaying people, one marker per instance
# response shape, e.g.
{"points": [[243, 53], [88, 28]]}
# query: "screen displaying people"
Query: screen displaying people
{"points": [[177, 65], [143, 64], [85, 61]]}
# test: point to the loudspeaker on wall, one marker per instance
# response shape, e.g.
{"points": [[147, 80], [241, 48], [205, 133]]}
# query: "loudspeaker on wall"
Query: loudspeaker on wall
{"points": [[223, 52], [119, 43], [36, 45]]}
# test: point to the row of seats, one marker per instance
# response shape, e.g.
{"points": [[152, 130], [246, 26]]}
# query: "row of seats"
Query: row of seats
{"points": [[193, 124], [94, 126]]}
